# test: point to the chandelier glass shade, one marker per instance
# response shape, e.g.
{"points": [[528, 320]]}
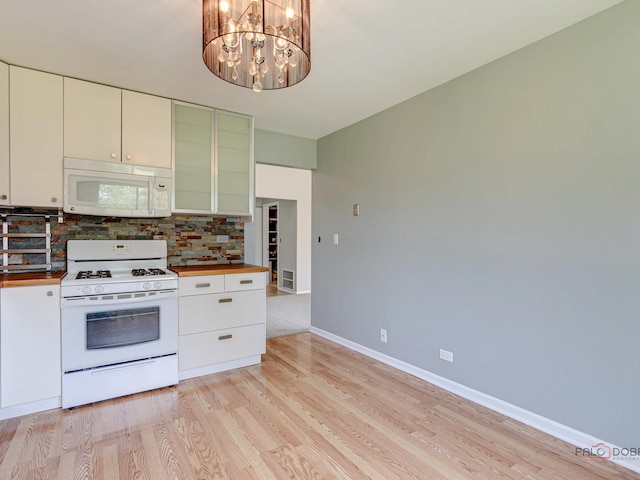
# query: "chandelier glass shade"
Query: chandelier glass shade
{"points": [[259, 44]]}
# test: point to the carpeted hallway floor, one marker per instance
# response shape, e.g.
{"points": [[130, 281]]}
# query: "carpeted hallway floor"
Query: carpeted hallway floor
{"points": [[288, 314]]}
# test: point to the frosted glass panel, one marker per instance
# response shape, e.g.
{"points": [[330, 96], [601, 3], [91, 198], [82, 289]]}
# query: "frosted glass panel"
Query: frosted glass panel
{"points": [[193, 158], [234, 203], [235, 164]]}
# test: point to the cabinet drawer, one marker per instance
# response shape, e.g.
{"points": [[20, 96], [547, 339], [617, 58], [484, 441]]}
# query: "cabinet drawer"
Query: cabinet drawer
{"points": [[244, 281], [201, 285], [203, 313], [219, 346]]}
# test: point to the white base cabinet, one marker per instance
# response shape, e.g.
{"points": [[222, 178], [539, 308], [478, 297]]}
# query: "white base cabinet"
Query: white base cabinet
{"points": [[29, 344], [222, 322]]}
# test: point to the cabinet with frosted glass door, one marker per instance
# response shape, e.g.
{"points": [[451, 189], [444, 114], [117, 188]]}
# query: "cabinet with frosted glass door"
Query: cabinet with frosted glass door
{"points": [[234, 164], [213, 165]]}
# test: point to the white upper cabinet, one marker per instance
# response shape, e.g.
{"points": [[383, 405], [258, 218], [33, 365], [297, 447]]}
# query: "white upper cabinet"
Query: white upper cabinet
{"points": [[146, 129], [36, 138], [113, 125], [4, 134], [234, 164], [193, 158], [213, 166], [91, 121]]}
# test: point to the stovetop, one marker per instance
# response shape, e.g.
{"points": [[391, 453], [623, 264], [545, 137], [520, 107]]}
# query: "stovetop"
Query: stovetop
{"points": [[135, 272], [103, 267]]}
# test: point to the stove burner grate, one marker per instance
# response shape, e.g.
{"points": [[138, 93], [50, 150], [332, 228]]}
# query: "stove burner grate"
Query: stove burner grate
{"points": [[144, 272], [88, 274]]}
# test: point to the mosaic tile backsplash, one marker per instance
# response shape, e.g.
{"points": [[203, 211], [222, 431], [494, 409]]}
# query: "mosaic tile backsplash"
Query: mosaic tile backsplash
{"points": [[191, 239]]}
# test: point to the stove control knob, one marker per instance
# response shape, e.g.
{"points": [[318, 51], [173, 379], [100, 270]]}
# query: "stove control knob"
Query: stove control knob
{"points": [[146, 285], [157, 285], [99, 289], [86, 290]]}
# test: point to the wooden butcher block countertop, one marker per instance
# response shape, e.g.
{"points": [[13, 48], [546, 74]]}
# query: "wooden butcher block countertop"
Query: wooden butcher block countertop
{"points": [[198, 270], [30, 279]]}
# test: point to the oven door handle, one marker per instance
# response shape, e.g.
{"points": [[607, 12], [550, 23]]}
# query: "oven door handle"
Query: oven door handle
{"points": [[100, 371], [124, 299]]}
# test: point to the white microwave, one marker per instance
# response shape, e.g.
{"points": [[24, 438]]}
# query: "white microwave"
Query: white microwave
{"points": [[116, 189]]}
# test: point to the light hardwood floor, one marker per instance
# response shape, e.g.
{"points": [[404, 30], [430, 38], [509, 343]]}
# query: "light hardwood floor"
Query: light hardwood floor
{"points": [[272, 290], [312, 410]]}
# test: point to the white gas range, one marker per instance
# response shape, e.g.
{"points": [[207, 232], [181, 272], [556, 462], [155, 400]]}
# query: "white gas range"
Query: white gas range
{"points": [[119, 320]]}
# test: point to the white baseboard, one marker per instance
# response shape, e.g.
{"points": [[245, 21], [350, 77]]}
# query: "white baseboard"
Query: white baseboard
{"points": [[302, 292], [219, 367], [558, 430], [29, 408]]}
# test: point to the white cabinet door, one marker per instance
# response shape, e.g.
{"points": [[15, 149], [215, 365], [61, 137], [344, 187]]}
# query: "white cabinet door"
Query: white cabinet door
{"points": [[192, 158], [91, 121], [203, 313], [234, 164], [146, 130], [29, 344], [36, 138], [5, 199]]}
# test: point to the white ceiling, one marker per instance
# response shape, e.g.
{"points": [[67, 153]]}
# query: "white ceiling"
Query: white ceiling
{"points": [[366, 55]]}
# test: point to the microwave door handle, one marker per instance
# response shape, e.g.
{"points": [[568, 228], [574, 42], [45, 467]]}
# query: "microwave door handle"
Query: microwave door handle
{"points": [[151, 195]]}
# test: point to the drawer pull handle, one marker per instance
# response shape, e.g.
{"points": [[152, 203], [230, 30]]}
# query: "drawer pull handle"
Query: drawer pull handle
{"points": [[245, 282], [225, 300], [225, 337], [203, 285]]}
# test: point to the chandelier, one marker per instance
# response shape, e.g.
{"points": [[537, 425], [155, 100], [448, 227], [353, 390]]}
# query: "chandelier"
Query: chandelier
{"points": [[259, 44]]}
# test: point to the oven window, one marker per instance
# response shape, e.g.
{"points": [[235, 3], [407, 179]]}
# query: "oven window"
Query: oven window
{"points": [[117, 328]]}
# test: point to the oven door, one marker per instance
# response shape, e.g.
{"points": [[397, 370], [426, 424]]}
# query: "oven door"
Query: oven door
{"points": [[113, 332]]}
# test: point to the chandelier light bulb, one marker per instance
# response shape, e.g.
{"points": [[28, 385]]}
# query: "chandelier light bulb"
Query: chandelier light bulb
{"points": [[289, 12], [281, 43], [224, 6]]}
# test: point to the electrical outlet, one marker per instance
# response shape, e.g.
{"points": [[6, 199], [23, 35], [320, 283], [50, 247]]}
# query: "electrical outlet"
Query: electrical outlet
{"points": [[383, 335], [446, 355], [356, 209], [222, 238], [336, 239]]}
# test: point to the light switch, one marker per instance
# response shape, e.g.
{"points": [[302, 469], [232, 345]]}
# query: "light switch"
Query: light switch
{"points": [[335, 239]]}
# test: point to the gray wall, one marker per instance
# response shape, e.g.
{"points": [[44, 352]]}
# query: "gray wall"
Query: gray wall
{"points": [[285, 150], [287, 229], [500, 219]]}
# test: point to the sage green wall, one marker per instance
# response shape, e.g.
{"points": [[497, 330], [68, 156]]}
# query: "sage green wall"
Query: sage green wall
{"points": [[500, 219], [274, 148]]}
